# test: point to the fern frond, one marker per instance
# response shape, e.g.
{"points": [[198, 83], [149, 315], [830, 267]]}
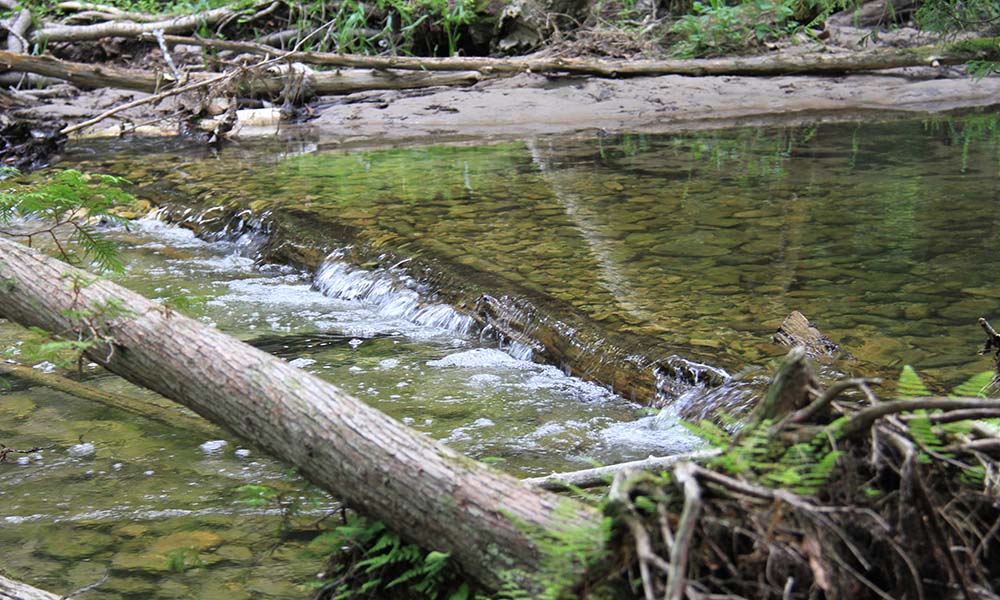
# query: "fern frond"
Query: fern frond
{"points": [[911, 385], [975, 386]]}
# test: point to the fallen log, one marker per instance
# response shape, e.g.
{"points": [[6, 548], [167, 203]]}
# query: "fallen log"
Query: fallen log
{"points": [[431, 495], [83, 391], [251, 82], [818, 63]]}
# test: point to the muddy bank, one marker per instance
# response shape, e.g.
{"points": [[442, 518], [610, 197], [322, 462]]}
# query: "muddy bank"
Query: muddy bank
{"points": [[532, 104]]}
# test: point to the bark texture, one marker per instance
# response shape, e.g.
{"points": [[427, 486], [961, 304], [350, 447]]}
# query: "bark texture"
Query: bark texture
{"points": [[427, 492], [15, 590]]}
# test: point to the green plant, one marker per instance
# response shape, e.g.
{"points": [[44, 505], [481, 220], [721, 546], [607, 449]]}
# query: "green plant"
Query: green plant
{"points": [[369, 560], [66, 208], [181, 560], [717, 28]]}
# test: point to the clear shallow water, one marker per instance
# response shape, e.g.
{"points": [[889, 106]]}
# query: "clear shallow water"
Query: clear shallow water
{"points": [[884, 234], [122, 495]]}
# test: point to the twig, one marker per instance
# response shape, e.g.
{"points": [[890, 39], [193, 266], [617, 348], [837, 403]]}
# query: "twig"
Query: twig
{"points": [[87, 588], [599, 476], [863, 420], [158, 34], [5, 450], [685, 474]]}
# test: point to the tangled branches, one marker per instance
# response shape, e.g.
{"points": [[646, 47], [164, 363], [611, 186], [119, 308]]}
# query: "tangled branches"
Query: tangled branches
{"points": [[842, 497]]}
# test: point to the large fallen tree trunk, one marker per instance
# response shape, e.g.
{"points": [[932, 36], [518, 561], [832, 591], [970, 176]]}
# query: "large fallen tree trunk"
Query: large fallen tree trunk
{"points": [[431, 495]]}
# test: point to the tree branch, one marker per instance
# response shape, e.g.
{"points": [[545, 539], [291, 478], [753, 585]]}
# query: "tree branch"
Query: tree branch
{"points": [[599, 476]]}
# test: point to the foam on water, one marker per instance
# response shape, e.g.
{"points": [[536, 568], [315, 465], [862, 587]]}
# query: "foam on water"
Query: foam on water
{"points": [[390, 294]]}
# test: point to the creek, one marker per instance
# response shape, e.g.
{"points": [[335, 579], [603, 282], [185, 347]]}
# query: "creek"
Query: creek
{"points": [[604, 256]]}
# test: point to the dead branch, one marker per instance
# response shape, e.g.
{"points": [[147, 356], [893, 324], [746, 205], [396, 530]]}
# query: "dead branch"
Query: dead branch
{"points": [[685, 474], [17, 28], [126, 28], [863, 420], [112, 11], [830, 394], [599, 476], [81, 74], [813, 64]]}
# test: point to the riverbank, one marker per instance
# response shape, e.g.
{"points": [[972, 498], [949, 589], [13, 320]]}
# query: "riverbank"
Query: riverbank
{"points": [[526, 105]]}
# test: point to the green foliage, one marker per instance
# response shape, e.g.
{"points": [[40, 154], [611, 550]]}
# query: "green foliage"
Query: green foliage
{"points": [[954, 16], [719, 28], [69, 204], [564, 552], [182, 559], [385, 26], [910, 385], [369, 560], [975, 386], [980, 69]]}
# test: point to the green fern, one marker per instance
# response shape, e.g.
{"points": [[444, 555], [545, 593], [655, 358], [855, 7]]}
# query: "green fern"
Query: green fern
{"points": [[68, 202], [975, 386], [910, 385]]}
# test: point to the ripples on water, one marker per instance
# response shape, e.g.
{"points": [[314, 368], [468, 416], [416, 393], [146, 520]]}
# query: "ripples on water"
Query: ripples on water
{"points": [[122, 485]]}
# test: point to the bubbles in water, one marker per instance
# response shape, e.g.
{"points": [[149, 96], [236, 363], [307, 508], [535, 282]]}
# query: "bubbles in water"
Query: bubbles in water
{"points": [[481, 358], [213, 446], [80, 450], [302, 362]]}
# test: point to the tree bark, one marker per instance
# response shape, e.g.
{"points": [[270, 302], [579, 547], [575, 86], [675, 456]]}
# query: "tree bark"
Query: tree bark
{"points": [[15, 590], [420, 488]]}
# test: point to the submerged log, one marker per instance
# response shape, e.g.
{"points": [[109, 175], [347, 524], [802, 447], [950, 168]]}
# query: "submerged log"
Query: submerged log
{"points": [[797, 330], [430, 494], [172, 418]]}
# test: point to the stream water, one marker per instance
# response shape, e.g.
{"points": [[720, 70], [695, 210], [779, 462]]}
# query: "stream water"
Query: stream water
{"points": [[699, 245]]}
